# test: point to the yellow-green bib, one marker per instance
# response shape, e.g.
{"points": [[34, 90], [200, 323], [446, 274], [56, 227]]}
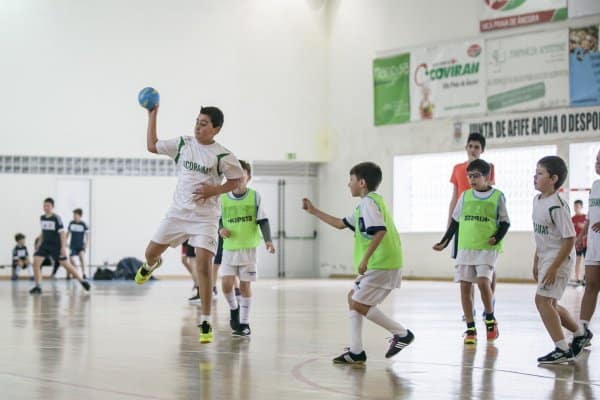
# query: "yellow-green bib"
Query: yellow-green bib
{"points": [[239, 218]]}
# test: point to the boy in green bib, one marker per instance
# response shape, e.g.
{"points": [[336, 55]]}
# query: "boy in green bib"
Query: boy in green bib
{"points": [[481, 214], [377, 260], [242, 215]]}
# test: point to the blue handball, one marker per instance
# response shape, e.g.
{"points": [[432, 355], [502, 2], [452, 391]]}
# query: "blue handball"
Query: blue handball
{"points": [[148, 98]]}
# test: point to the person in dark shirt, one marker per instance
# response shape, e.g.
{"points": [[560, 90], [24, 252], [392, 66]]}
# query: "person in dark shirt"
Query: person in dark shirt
{"points": [[78, 234], [52, 244], [20, 257]]}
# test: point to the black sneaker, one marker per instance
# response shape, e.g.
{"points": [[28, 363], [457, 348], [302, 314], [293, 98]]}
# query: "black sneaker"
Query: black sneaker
{"points": [[556, 356], [351, 358], [243, 330], [206, 332], [215, 292], [35, 290], [234, 319], [86, 285], [195, 299], [398, 342], [579, 342]]}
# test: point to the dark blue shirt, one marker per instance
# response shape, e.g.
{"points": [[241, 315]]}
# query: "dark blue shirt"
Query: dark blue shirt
{"points": [[77, 231]]}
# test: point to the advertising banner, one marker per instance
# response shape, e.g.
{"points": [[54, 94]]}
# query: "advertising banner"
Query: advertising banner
{"points": [[391, 89], [503, 14], [584, 66]]}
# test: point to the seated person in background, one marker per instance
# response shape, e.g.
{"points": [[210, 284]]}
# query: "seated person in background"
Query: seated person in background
{"points": [[20, 257]]}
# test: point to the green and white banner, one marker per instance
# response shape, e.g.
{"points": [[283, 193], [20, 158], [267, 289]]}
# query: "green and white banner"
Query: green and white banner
{"points": [[502, 14], [391, 89], [447, 80], [528, 72]]}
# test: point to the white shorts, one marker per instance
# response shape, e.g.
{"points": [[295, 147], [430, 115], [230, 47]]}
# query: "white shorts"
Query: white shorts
{"points": [[557, 289], [246, 273], [174, 232], [367, 291], [470, 273]]}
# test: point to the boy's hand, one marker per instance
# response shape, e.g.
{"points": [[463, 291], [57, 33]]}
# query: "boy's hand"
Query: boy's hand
{"points": [[224, 233], [205, 192], [63, 251], [153, 112], [492, 241], [270, 247], [440, 246], [307, 205], [550, 277], [362, 268], [596, 227]]}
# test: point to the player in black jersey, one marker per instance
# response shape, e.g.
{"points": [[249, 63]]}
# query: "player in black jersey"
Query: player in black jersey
{"points": [[53, 244], [77, 232], [20, 257]]}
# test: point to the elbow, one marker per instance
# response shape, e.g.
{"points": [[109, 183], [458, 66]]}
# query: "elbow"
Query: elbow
{"points": [[152, 149]]}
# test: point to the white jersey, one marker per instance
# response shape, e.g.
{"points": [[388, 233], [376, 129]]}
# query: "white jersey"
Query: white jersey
{"points": [[197, 164], [551, 225], [244, 256], [593, 238]]}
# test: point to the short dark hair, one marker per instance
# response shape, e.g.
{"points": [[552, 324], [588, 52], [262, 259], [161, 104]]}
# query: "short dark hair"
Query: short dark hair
{"points": [[216, 116], [19, 236], [246, 166], [580, 202], [477, 137], [49, 200], [555, 166], [368, 171], [78, 211], [479, 165]]}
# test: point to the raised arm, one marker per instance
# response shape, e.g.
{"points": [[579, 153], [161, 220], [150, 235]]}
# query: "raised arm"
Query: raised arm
{"points": [[328, 219], [151, 135]]}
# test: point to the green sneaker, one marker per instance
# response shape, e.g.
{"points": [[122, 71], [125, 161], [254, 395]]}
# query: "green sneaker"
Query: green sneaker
{"points": [[142, 274], [206, 333]]}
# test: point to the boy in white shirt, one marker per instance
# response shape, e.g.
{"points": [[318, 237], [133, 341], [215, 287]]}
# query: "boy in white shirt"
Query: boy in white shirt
{"points": [[591, 232], [194, 213], [554, 256]]}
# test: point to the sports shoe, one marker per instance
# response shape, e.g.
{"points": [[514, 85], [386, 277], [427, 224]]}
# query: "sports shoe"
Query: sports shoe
{"points": [[351, 358], [470, 336], [143, 274], [195, 299], [556, 356], [234, 318], [580, 342], [215, 292], [491, 327], [206, 333], [398, 343], [85, 284], [35, 290], [243, 330]]}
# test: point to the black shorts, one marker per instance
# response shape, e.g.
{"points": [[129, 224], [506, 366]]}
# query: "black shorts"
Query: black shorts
{"points": [[187, 250], [15, 264], [581, 252], [50, 251], [76, 250], [219, 254]]}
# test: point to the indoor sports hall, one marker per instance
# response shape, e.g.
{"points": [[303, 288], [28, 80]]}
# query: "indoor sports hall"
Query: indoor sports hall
{"points": [[403, 197]]}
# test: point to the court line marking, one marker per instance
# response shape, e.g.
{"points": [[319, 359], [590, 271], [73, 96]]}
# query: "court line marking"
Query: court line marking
{"points": [[80, 386]]}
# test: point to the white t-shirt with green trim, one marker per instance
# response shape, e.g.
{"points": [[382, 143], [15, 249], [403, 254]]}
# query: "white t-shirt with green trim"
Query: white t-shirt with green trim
{"points": [[551, 225], [197, 164]]}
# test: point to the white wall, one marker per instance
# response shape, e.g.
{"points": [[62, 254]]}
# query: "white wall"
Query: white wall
{"points": [[71, 71], [359, 31]]}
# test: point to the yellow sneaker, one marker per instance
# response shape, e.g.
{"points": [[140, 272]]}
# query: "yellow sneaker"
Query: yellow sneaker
{"points": [[206, 333], [143, 274]]}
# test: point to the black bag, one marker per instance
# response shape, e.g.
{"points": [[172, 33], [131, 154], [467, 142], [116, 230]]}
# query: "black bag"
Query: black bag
{"points": [[103, 274], [127, 267]]}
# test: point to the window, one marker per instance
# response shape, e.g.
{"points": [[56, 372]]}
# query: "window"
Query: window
{"points": [[422, 187]]}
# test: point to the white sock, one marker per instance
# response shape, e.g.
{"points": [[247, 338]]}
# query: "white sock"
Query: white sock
{"points": [[205, 318], [149, 267], [231, 300], [562, 344], [580, 330], [245, 309], [377, 316], [356, 320], [584, 323]]}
